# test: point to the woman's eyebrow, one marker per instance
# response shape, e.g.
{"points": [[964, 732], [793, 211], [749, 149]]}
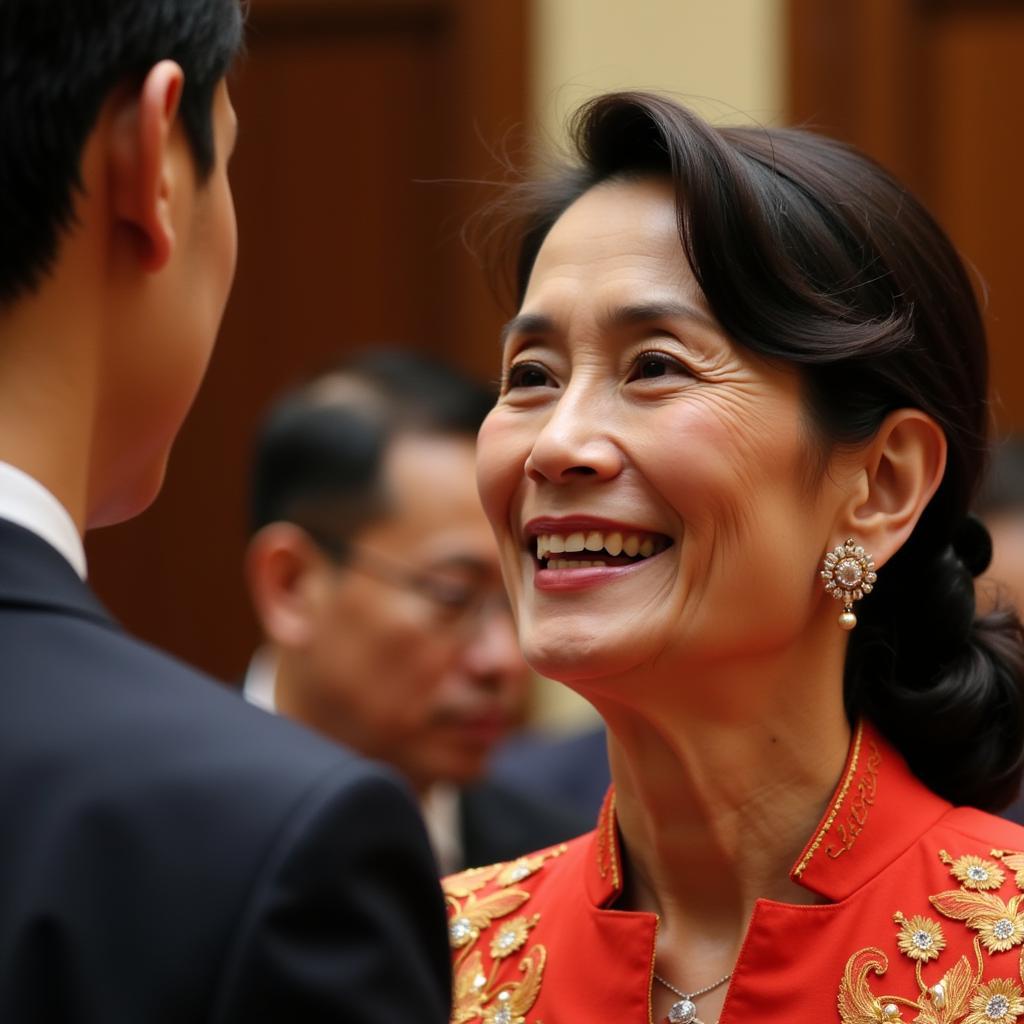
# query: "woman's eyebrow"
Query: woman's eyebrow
{"points": [[621, 316], [645, 312], [527, 323]]}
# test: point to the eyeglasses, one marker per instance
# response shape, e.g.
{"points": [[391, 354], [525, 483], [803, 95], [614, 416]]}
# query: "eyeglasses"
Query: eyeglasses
{"points": [[458, 603]]}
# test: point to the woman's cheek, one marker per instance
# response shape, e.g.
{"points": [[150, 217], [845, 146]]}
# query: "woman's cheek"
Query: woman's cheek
{"points": [[500, 459]]}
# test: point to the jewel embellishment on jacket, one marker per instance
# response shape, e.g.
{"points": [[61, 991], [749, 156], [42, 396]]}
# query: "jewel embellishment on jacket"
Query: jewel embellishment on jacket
{"points": [[479, 994], [962, 994]]}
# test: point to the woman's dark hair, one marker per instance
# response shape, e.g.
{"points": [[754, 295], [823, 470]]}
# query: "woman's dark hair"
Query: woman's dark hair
{"points": [[59, 61], [811, 254]]}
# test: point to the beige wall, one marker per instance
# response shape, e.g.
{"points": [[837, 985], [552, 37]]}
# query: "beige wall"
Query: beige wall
{"points": [[724, 57]]}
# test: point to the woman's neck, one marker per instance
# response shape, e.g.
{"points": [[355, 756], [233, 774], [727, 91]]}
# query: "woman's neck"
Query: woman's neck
{"points": [[721, 775]]}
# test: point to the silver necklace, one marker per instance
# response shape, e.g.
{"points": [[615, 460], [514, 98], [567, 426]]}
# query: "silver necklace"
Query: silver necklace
{"points": [[684, 1011]]}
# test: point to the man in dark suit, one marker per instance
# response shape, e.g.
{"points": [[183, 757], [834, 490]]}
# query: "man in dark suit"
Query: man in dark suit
{"points": [[572, 769], [375, 576], [168, 854]]}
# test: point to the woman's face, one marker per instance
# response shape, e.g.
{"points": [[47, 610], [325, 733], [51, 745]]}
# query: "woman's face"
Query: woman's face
{"points": [[629, 426]]}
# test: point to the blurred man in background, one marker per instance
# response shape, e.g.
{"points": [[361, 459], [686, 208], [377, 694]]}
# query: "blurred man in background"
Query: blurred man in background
{"points": [[571, 769], [375, 577]]}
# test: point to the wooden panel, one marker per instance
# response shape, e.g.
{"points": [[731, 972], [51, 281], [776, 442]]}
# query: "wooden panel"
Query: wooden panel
{"points": [[352, 114], [932, 90], [975, 161], [854, 74]]}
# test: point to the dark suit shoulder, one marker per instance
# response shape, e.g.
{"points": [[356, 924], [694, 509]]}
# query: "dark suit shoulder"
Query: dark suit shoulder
{"points": [[76, 685], [163, 832], [572, 770], [500, 822]]}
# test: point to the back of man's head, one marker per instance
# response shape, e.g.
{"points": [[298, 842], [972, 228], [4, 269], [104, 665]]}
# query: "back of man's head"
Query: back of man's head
{"points": [[59, 61], [320, 452]]}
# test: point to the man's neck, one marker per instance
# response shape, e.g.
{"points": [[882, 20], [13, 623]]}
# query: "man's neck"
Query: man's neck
{"points": [[48, 391]]}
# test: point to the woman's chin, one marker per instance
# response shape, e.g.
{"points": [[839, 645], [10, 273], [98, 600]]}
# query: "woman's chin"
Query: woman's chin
{"points": [[578, 659]]}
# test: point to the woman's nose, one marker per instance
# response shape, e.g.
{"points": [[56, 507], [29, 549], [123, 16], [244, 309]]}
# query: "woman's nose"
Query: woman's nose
{"points": [[574, 443]]}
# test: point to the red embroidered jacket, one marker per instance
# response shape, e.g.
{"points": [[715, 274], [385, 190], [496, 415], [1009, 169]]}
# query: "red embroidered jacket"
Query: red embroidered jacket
{"points": [[923, 922]]}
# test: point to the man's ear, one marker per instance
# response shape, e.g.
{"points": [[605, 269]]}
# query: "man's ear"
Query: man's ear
{"points": [[144, 171], [282, 569], [899, 471]]}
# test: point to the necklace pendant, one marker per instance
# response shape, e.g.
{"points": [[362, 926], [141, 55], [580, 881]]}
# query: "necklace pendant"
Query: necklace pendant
{"points": [[683, 1012]]}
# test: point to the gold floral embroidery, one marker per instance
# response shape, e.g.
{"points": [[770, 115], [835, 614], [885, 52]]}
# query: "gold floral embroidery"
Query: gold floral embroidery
{"points": [[516, 998], [942, 1003], [920, 938], [999, 1000], [469, 917], [840, 797], [960, 996], [974, 872], [607, 861], [1000, 925], [861, 802], [478, 994], [521, 869], [857, 1004], [469, 881], [1015, 862], [512, 936], [946, 1000], [470, 984]]}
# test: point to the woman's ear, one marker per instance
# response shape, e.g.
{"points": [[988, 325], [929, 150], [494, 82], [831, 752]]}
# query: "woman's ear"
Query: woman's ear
{"points": [[282, 566], [145, 166], [899, 471]]}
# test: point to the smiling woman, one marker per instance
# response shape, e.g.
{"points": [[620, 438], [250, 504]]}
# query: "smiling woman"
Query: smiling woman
{"points": [[747, 375]]}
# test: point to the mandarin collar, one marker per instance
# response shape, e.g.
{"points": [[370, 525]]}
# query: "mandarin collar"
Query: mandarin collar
{"points": [[877, 811]]}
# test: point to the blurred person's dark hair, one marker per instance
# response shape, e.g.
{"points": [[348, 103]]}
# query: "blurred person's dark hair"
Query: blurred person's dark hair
{"points": [[810, 254], [319, 455], [59, 61]]}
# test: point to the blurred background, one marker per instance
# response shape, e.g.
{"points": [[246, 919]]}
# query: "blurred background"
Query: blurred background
{"points": [[370, 130]]}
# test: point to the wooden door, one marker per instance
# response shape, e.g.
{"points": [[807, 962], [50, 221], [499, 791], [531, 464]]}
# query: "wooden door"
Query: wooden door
{"points": [[933, 89], [358, 119]]}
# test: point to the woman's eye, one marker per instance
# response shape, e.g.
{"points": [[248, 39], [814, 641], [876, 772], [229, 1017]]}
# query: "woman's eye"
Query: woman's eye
{"points": [[655, 364], [527, 375]]}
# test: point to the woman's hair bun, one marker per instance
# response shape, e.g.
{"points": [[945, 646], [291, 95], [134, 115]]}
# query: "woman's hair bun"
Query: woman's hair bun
{"points": [[973, 545]]}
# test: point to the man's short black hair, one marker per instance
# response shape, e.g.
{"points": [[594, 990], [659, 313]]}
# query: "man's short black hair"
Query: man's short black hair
{"points": [[320, 451], [59, 61]]}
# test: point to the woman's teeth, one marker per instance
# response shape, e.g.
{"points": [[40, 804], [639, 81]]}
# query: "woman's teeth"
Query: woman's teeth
{"points": [[613, 544]]}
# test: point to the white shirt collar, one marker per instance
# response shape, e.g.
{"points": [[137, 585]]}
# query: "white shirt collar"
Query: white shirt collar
{"points": [[440, 804], [26, 502], [260, 680], [441, 816]]}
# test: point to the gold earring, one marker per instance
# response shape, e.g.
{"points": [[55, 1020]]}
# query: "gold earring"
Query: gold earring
{"points": [[849, 574]]}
